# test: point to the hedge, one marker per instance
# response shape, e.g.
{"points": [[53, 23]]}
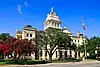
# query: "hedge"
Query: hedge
{"points": [[23, 62]]}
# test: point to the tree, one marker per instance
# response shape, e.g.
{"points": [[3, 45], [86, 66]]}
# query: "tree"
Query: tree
{"points": [[53, 39], [20, 48], [4, 36], [39, 43], [4, 50], [91, 45]]}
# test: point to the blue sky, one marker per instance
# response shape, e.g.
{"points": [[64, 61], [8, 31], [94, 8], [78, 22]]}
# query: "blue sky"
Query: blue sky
{"points": [[69, 11]]}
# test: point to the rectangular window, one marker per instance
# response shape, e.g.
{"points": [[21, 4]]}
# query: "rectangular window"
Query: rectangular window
{"points": [[57, 25], [52, 23], [60, 54], [27, 35], [79, 53], [66, 54], [41, 53], [30, 35], [75, 54]]}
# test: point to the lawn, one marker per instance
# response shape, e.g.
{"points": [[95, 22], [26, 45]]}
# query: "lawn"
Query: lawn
{"points": [[22, 62], [32, 62]]}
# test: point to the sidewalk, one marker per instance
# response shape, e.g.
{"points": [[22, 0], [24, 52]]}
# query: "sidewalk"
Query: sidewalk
{"points": [[68, 63], [90, 61]]}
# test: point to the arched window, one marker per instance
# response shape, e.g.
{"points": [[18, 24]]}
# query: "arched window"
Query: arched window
{"points": [[30, 35]]}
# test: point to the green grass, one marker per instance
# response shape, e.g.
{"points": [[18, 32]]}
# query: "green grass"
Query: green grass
{"points": [[2, 63], [32, 62], [21, 62]]}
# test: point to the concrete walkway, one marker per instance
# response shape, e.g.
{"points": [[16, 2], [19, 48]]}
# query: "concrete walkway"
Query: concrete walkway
{"points": [[90, 61], [53, 64]]}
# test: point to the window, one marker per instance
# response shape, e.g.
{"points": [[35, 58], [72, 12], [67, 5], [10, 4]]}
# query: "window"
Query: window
{"points": [[78, 41], [41, 53], [65, 53], [60, 54], [79, 53], [75, 40], [57, 25], [30, 35], [75, 54], [27, 35], [52, 23]]}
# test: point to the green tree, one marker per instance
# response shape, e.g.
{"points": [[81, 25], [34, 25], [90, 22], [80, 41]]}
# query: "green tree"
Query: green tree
{"points": [[91, 45], [4, 36], [54, 39]]}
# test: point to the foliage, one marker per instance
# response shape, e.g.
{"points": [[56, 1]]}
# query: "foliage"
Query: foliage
{"points": [[23, 47], [91, 45], [4, 36], [23, 62], [4, 48], [17, 47], [53, 39]]}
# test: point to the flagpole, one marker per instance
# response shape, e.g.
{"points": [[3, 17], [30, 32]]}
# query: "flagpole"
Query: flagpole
{"points": [[85, 53]]}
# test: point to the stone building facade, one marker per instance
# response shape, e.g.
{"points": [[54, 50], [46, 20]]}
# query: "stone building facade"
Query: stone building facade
{"points": [[52, 21]]}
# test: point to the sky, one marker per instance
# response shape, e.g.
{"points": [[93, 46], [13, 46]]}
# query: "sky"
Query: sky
{"points": [[15, 14]]}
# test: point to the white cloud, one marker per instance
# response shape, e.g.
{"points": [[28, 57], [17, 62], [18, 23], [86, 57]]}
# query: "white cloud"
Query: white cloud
{"points": [[25, 3], [19, 9]]}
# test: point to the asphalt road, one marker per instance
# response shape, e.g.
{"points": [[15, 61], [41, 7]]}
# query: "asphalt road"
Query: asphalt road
{"points": [[60, 65]]}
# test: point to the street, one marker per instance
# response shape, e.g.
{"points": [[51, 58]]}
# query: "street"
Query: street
{"points": [[59, 65]]}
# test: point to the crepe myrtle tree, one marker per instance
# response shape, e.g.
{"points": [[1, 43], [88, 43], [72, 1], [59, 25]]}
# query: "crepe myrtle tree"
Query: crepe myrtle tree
{"points": [[22, 48], [16, 47], [4, 50]]}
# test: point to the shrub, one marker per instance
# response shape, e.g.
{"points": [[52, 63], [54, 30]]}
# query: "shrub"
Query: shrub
{"points": [[23, 62], [35, 62]]}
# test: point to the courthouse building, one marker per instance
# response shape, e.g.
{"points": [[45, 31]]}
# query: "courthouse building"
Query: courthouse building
{"points": [[52, 21]]}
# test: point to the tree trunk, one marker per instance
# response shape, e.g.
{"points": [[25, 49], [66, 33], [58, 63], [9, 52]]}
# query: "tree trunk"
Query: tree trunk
{"points": [[50, 57], [37, 54]]}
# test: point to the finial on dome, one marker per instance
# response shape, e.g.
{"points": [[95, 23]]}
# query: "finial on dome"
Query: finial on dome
{"points": [[52, 9], [16, 30], [64, 27]]}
